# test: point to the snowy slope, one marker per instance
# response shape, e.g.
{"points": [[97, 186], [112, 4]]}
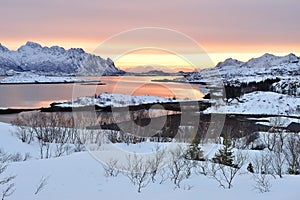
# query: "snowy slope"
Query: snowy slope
{"points": [[53, 61], [270, 103]]}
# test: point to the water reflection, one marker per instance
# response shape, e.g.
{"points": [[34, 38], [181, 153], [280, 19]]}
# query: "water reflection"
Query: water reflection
{"points": [[35, 95]]}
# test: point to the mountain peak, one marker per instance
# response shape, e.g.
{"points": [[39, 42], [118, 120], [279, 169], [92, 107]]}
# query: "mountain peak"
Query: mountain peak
{"points": [[33, 44], [76, 50], [3, 48], [268, 55], [29, 46], [229, 62]]}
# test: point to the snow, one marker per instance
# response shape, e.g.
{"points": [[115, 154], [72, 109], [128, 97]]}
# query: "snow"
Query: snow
{"points": [[55, 60], [282, 121], [34, 78], [115, 100], [289, 86], [81, 176], [269, 103], [234, 73]]}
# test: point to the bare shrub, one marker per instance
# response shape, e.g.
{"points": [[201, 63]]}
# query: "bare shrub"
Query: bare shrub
{"points": [[54, 132], [278, 163], [137, 170], [6, 182], [180, 168], [24, 133], [202, 167], [163, 175], [292, 153], [225, 174], [262, 164], [156, 162], [263, 170], [111, 168], [262, 182], [41, 185]]}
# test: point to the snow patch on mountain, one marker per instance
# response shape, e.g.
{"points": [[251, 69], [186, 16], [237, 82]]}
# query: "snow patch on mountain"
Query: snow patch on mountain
{"points": [[55, 60]]}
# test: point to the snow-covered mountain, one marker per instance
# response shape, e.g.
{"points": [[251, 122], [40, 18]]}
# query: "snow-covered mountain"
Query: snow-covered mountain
{"points": [[229, 62], [234, 72], [32, 57]]}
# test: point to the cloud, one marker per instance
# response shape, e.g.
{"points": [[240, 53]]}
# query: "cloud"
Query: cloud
{"points": [[230, 22]]}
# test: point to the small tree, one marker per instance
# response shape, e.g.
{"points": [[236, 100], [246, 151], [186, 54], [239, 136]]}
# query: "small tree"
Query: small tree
{"points": [[225, 154], [194, 152], [250, 168]]}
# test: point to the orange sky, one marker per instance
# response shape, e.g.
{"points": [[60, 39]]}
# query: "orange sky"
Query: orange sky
{"points": [[231, 28]]}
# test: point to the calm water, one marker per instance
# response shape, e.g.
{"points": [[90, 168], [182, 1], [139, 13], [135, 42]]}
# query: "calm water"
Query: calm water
{"points": [[41, 95]]}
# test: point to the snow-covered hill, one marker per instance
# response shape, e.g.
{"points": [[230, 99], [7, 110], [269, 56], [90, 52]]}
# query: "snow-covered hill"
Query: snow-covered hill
{"points": [[234, 72], [55, 60], [260, 103]]}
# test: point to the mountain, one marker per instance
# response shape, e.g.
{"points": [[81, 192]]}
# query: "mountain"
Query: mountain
{"points": [[278, 74], [269, 60], [234, 72], [229, 62], [32, 57]]}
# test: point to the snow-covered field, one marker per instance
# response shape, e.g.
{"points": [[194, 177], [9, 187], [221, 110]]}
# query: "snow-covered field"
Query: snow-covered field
{"points": [[81, 176], [269, 103], [33, 78], [115, 100]]}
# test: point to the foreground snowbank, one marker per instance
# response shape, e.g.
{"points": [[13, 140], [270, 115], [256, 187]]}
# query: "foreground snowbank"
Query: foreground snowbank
{"points": [[80, 176]]}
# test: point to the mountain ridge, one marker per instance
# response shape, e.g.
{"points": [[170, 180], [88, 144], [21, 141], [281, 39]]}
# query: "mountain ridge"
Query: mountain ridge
{"points": [[266, 60], [232, 72], [55, 60]]}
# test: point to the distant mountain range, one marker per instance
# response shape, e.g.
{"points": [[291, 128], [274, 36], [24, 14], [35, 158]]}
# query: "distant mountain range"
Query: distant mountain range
{"points": [[284, 71], [256, 69], [32, 57]]}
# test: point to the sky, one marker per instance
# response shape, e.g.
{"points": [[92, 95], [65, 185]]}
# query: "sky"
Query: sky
{"points": [[222, 29]]}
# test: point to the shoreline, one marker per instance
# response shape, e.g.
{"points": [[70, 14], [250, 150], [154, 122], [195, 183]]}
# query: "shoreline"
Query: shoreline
{"points": [[58, 82]]}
